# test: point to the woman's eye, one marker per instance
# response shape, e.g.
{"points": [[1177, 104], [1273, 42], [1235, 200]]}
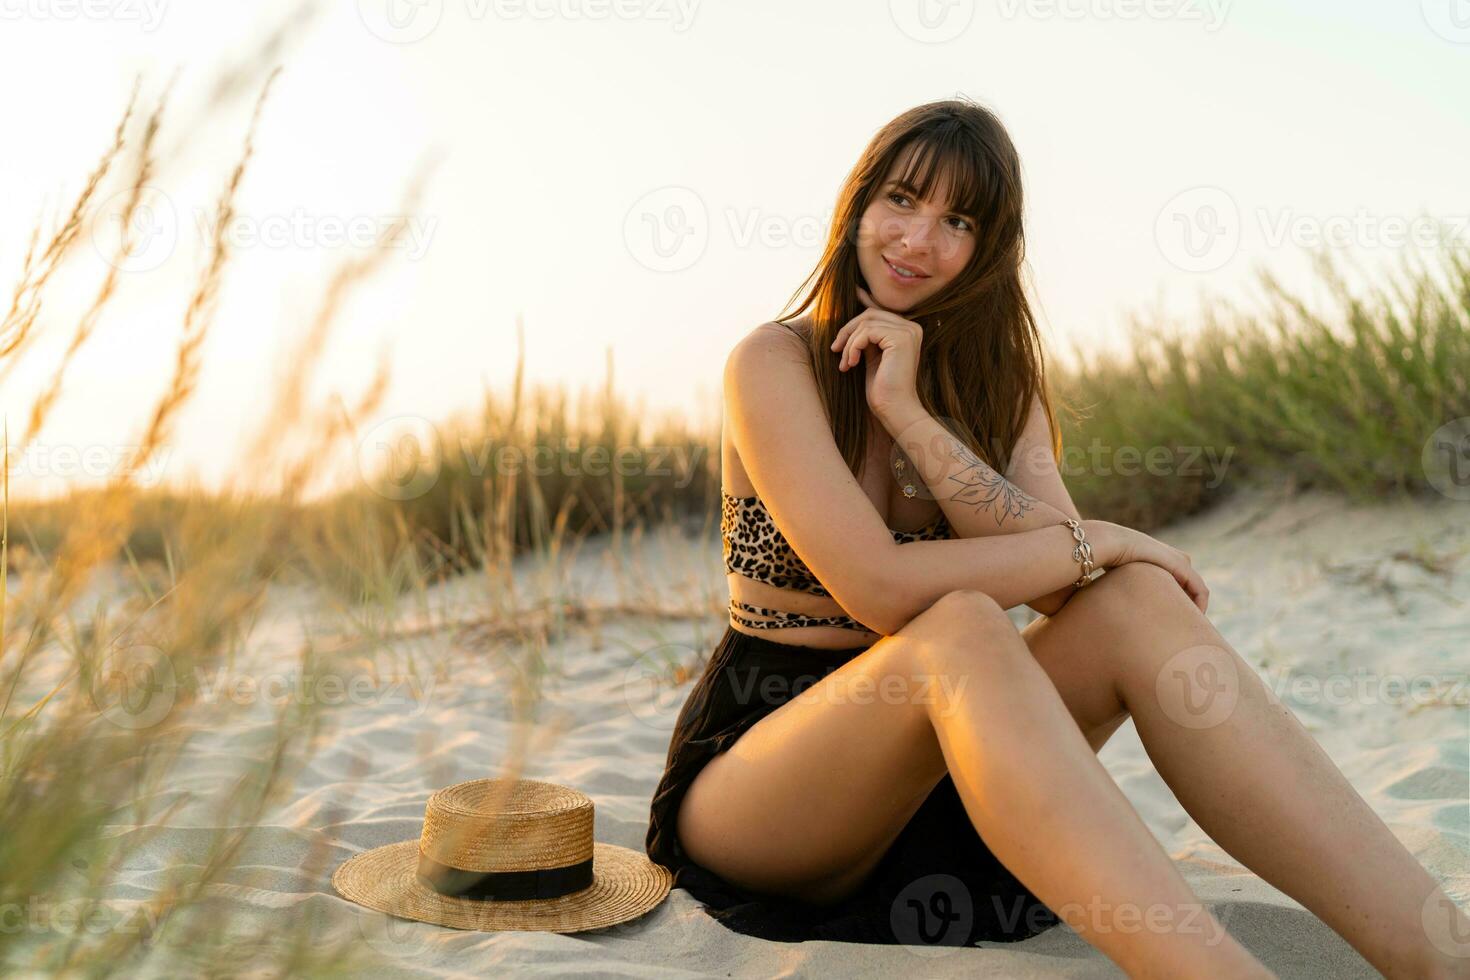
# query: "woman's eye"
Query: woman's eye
{"points": [[895, 197]]}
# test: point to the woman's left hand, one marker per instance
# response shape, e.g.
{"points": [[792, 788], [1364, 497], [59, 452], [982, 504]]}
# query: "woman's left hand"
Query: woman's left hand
{"points": [[889, 347]]}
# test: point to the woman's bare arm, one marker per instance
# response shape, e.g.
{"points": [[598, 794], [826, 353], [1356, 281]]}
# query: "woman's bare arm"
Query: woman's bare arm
{"points": [[977, 501], [781, 434]]}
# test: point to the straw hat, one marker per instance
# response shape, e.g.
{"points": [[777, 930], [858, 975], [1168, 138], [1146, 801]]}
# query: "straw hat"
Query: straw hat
{"points": [[506, 854]]}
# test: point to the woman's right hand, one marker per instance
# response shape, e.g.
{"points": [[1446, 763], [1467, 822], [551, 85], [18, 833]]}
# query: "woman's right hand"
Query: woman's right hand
{"points": [[1114, 545]]}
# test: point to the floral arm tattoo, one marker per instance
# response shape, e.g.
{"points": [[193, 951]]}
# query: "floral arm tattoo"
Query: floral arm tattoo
{"points": [[987, 490]]}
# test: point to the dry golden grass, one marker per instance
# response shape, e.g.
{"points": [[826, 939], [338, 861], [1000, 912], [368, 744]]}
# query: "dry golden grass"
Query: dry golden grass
{"points": [[80, 754]]}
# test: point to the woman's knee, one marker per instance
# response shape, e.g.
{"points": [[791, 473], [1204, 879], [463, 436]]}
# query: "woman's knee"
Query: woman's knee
{"points": [[968, 610], [1134, 585], [959, 627]]}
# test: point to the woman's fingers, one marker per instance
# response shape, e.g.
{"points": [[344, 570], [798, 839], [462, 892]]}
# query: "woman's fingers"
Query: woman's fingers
{"points": [[846, 331], [862, 318], [856, 341], [1195, 586]]}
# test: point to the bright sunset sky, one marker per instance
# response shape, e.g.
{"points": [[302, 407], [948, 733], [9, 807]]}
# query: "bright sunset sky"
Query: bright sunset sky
{"points": [[655, 175]]}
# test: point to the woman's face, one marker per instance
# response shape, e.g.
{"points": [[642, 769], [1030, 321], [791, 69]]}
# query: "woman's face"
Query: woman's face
{"points": [[924, 237]]}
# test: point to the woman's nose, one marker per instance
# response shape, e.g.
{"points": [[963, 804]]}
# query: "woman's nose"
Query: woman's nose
{"points": [[918, 233]]}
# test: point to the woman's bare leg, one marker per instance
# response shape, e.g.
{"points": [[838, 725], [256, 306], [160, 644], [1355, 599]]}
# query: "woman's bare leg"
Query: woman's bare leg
{"points": [[1248, 772], [807, 801]]}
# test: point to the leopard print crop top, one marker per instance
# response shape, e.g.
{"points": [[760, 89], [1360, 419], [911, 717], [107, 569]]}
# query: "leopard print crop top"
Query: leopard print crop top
{"points": [[756, 548]]}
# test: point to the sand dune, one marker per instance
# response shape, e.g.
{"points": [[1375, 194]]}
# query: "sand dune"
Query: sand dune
{"points": [[1307, 590]]}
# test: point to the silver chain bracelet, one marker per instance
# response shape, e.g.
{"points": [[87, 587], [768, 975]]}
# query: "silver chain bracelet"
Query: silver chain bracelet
{"points": [[1082, 554]]}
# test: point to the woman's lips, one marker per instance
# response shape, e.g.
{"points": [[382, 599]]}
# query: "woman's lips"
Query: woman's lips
{"points": [[894, 276]]}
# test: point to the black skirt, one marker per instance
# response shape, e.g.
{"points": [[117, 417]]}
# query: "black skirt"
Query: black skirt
{"points": [[938, 884]]}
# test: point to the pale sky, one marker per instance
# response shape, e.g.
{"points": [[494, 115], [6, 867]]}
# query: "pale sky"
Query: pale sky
{"points": [[656, 176]]}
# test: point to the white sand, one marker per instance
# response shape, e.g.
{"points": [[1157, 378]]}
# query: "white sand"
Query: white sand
{"points": [[1284, 593]]}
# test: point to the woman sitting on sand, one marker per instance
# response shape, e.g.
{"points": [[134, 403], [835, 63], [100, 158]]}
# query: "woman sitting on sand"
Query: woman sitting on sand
{"points": [[939, 781]]}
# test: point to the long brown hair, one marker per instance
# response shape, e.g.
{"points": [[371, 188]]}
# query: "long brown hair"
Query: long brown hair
{"points": [[981, 360]]}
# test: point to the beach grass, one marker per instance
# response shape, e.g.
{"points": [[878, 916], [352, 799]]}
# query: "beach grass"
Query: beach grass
{"points": [[1342, 399], [102, 659]]}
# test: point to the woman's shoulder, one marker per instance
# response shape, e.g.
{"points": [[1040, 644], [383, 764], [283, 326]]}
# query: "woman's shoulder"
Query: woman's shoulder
{"points": [[765, 355], [785, 341], [796, 334]]}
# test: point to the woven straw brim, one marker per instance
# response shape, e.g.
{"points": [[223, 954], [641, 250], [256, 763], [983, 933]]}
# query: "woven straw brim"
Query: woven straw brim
{"points": [[625, 885]]}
